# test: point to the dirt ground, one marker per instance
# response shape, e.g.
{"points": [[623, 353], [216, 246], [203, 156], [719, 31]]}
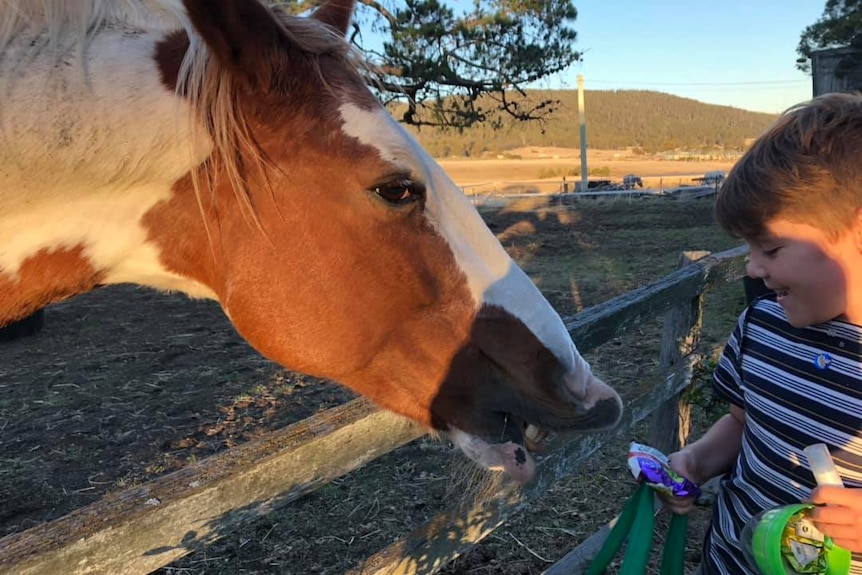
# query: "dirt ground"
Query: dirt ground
{"points": [[125, 384]]}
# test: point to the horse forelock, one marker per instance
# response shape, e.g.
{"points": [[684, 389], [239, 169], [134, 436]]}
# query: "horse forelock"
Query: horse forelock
{"points": [[221, 102]]}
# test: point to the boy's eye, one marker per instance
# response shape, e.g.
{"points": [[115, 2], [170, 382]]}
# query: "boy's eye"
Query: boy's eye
{"points": [[771, 252]]}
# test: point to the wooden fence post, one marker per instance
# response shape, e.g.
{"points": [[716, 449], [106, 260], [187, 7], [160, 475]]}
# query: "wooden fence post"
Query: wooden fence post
{"points": [[671, 422]]}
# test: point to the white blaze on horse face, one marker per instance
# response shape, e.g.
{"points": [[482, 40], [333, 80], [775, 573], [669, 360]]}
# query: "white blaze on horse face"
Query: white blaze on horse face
{"points": [[86, 151], [491, 274]]}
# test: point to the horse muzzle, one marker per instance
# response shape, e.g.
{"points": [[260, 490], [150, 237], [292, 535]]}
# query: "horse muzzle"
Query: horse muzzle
{"points": [[503, 394]]}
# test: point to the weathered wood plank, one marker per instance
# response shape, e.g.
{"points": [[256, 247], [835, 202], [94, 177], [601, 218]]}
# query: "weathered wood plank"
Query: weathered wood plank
{"points": [[596, 325], [141, 529], [453, 531], [579, 558]]}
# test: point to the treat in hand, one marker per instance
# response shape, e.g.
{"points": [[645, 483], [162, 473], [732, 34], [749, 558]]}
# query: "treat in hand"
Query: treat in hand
{"points": [[652, 466]]}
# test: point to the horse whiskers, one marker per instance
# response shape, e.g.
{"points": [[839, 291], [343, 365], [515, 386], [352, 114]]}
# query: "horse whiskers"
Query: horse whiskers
{"points": [[505, 423], [469, 482]]}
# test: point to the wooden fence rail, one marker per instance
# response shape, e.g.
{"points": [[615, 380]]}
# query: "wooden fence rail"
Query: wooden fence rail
{"points": [[140, 529]]}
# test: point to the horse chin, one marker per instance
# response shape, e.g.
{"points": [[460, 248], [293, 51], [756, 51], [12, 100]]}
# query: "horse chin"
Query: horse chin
{"points": [[510, 457]]}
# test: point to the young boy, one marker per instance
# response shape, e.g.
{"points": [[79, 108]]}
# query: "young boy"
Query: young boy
{"points": [[792, 368]]}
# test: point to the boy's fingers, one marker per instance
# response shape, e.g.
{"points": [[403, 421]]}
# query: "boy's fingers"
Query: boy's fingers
{"points": [[846, 537], [679, 505], [835, 515], [835, 495], [820, 494]]}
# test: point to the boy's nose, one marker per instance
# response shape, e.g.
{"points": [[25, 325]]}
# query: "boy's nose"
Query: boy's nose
{"points": [[754, 269]]}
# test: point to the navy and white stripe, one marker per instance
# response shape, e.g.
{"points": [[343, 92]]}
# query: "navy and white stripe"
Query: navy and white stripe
{"points": [[798, 386]]}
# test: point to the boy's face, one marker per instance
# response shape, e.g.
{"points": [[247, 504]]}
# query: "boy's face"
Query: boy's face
{"points": [[816, 278]]}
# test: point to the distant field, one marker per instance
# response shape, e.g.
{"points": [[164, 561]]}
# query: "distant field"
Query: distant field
{"points": [[544, 168]]}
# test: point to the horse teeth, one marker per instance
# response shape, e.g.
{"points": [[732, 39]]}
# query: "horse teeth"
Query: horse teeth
{"points": [[535, 434]]}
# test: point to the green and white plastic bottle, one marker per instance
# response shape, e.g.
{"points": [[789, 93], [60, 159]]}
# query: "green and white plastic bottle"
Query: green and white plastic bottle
{"points": [[784, 540]]}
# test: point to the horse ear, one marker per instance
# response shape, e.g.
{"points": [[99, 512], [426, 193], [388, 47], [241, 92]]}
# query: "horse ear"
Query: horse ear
{"points": [[242, 35], [336, 13]]}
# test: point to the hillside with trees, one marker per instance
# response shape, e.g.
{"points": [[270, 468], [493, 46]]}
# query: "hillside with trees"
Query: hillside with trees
{"points": [[649, 122]]}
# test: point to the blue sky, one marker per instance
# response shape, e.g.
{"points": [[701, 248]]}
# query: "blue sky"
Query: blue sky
{"points": [[739, 53]]}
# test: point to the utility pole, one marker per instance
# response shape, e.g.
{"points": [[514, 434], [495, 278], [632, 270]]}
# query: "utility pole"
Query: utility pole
{"points": [[583, 120]]}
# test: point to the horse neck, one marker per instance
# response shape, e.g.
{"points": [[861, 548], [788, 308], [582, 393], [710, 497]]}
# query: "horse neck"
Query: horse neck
{"points": [[87, 152]]}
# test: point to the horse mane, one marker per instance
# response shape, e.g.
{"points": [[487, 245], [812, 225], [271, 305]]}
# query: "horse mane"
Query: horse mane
{"points": [[210, 89], [52, 22]]}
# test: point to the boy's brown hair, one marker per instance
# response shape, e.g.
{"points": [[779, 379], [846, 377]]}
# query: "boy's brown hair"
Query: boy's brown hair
{"points": [[807, 167]]}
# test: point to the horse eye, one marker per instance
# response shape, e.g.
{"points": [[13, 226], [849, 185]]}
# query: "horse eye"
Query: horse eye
{"points": [[400, 192]]}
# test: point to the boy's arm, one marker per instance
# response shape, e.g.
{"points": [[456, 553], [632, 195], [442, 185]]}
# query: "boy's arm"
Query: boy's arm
{"points": [[711, 455], [715, 452]]}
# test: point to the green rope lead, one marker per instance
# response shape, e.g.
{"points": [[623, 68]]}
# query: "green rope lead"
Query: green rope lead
{"points": [[640, 538], [637, 522], [673, 556], [618, 534]]}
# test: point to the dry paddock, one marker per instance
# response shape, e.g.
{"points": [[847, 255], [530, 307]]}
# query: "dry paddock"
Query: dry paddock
{"points": [[125, 385]]}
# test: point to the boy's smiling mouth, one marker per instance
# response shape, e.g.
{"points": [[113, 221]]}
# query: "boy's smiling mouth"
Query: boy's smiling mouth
{"points": [[779, 292]]}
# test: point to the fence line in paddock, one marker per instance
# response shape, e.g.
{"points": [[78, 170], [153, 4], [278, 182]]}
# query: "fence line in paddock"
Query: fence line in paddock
{"points": [[496, 200], [143, 528]]}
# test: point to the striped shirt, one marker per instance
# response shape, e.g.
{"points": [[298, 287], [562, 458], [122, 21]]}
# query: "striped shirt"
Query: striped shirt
{"points": [[798, 386]]}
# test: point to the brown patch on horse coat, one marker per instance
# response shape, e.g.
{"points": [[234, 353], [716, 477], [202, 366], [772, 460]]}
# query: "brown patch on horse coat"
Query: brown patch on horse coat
{"points": [[169, 56], [48, 276], [328, 285]]}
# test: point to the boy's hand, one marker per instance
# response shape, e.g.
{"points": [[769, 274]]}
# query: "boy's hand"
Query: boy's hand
{"points": [[683, 463], [841, 516]]}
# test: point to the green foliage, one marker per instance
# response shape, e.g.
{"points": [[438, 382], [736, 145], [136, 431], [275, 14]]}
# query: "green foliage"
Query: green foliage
{"points": [[456, 70], [840, 22], [558, 173], [703, 397], [649, 122]]}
